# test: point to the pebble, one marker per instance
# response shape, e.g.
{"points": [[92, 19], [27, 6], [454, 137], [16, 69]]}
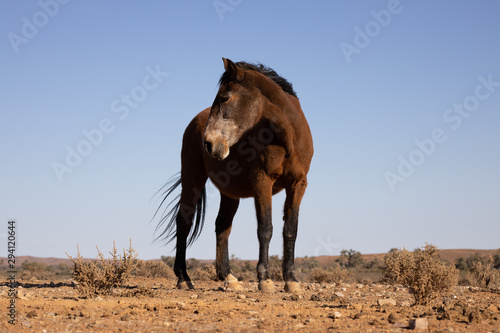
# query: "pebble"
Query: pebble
{"points": [[241, 296], [395, 318], [337, 314], [386, 301], [419, 323], [339, 294]]}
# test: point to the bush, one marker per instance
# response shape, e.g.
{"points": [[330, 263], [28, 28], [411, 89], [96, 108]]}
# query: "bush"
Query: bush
{"points": [[153, 269], [422, 271], [337, 276], [484, 275], [98, 277], [207, 273], [34, 270]]}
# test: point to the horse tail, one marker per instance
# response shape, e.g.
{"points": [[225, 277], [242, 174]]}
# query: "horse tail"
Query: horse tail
{"points": [[171, 211]]}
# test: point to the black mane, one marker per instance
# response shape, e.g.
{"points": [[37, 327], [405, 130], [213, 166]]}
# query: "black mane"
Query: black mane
{"points": [[269, 72]]}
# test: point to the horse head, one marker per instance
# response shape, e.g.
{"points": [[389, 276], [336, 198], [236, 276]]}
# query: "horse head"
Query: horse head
{"points": [[237, 108]]}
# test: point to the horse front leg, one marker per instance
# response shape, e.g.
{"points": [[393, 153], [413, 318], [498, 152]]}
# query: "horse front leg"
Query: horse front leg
{"points": [[263, 206], [294, 196]]}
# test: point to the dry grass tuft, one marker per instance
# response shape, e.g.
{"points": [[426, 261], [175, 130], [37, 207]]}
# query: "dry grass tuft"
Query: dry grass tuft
{"points": [[100, 276], [422, 271]]}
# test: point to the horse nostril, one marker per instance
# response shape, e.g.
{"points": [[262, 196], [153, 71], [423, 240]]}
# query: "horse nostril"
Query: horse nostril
{"points": [[208, 147]]}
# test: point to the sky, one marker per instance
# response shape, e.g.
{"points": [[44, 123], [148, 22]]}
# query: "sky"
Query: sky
{"points": [[402, 97]]}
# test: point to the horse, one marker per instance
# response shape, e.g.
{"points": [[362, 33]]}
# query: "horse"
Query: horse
{"points": [[254, 141]]}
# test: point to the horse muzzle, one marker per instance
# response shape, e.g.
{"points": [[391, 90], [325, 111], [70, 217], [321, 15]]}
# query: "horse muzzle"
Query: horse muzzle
{"points": [[217, 150]]}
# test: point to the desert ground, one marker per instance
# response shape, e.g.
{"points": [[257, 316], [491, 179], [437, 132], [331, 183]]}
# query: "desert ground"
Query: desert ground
{"points": [[155, 305]]}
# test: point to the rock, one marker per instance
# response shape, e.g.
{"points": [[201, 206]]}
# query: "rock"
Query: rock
{"points": [[241, 296], [32, 314], [125, 317], [359, 286], [195, 296], [395, 318], [386, 301], [317, 298], [492, 308], [475, 317], [339, 294], [405, 303], [419, 323], [357, 306], [359, 315], [337, 314]]}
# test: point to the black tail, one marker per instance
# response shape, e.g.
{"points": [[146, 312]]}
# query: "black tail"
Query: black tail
{"points": [[169, 218]]}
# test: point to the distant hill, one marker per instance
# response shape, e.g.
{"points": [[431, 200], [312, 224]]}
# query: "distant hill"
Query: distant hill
{"points": [[449, 255]]}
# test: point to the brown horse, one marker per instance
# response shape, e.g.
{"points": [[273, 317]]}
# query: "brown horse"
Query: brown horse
{"points": [[253, 142]]}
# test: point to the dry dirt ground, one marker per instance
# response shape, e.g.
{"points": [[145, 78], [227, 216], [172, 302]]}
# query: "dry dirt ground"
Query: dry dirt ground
{"points": [[154, 305]]}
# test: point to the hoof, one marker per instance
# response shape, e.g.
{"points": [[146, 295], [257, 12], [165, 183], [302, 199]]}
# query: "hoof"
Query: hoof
{"points": [[266, 286], [293, 287], [185, 285], [231, 283]]}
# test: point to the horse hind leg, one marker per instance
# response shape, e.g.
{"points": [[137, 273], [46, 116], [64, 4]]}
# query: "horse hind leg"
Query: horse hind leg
{"points": [[223, 223]]}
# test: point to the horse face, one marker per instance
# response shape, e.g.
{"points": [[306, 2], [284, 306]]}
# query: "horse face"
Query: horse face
{"points": [[234, 111]]}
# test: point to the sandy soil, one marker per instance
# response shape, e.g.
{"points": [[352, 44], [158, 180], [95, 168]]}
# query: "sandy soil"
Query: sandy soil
{"points": [[154, 305]]}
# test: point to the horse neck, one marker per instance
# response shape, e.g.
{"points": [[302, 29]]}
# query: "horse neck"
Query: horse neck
{"points": [[275, 94]]}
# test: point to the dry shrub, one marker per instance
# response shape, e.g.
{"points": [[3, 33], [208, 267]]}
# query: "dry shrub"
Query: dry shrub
{"points": [[421, 270], [153, 269], [207, 273], [246, 276], [336, 276], [484, 275], [100, 276], [34, 270]]}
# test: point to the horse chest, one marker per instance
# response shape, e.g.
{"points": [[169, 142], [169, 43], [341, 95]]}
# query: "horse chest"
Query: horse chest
{"points": [[235, 176]]}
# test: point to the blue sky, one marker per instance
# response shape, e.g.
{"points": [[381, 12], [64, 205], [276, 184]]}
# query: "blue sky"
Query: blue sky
{"points": [[403, 99]]}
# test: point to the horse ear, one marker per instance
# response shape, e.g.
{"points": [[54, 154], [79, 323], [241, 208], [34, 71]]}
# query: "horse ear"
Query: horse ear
{"points": [[232, 69]]}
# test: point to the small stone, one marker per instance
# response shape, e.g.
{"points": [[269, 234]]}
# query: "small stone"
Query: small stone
{"points": [[195, 296], [492, 308], [357, 306], [337, 314], [339, 294], [359, 286], [419, 323], [395, 318], [343, 289], [386, 301], [359, 315], [475, 317], [125, 317], [405, 303], [241, 296], [32, 314]]}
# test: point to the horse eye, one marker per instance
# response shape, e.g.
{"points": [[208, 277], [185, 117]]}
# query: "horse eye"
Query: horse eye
{"points": [[224, 99]]}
